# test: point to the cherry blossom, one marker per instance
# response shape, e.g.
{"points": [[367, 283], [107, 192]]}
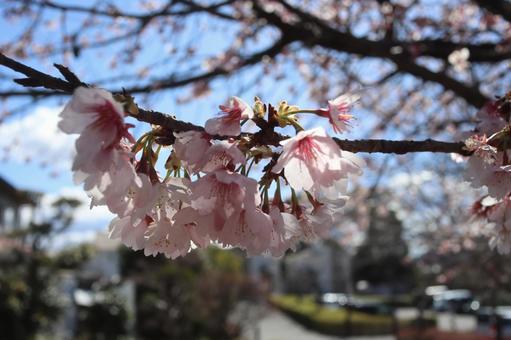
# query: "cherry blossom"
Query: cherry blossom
{"points": [[132, 235], [171, 216], [223, 194], [168, 238], [284, 233], [312, 161], [229, 121], [314, 222], [190, 147], [99, 119], [480, 147], [490, 120], [222, 155], [489, 165], [495, 177], [500, 217], [338, 111], [459, 59], [250, 229]]}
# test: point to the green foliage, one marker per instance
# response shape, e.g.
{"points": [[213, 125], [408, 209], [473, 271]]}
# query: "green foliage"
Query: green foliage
{"points": [[328, 319], [381, 259], [73, 257], [105, 319], [224, 261]]}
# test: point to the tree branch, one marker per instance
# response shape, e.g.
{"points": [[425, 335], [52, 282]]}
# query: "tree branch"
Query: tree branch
{"points": [[498, 7], [114, 12], [266, 136], [157, 84]]}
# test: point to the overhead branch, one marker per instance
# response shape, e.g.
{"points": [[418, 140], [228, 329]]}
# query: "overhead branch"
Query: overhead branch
{"points": [[71, 82], [313, 31], [114, 12], [498, 7], [157, 84]]}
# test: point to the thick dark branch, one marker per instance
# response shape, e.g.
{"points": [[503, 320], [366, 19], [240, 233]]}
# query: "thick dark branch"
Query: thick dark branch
{"points": [[471, 94], [38, 78], [312, 31], [268, 137], [437, 48], [441, 49], [401, 146], [498, 7]]}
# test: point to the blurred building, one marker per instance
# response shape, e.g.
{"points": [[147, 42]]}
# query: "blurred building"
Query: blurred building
{"points": [[93, 284], [317, 268], [17, 207]]}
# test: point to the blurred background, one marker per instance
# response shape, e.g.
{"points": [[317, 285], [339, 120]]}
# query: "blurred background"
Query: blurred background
{"points": [[407, 260]]}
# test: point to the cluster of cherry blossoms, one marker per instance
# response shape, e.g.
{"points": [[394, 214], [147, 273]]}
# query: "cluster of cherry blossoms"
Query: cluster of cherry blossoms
{"points": [[207, 195], [490, 166]]}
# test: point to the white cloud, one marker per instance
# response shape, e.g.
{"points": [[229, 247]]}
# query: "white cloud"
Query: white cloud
{"points": [[83, 214], [87, 222], [35, 137], [84, 218]]}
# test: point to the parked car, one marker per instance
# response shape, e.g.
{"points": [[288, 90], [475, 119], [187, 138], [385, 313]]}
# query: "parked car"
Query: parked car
{"points": [[456, 301]]}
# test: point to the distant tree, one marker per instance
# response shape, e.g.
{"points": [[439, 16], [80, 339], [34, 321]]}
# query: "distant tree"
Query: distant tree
{"points": [[382, 258], [28, 275], [105, 319], [189, 298]]}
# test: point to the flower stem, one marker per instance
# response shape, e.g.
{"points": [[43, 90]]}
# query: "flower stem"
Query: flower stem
{"points": [[301, 111]]}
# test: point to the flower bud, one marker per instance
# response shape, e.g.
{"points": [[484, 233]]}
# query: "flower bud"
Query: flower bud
{"points": [[259, 108], [284, 116]]}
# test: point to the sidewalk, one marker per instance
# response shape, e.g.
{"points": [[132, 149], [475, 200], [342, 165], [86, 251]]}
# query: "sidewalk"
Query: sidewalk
{"points": [[277, 326]]}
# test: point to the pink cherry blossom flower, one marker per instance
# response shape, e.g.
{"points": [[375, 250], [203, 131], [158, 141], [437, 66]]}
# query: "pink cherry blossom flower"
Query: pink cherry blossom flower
{"points": [[99, 119], [222, 194], [490, 120], [190, 147], [158, 239], [111, 186], [497, 178], [137, 201], [195, 225], [459, 59], [334, 194], [229, 121], [285, 232], [310, 223], [500, 216], [222, 155], [312, 161], [177, 225], [479, 145], [250, 229], [159, 200], [338, 111], [323, 218], [171, 239], [302, 226], [132, 235]]}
